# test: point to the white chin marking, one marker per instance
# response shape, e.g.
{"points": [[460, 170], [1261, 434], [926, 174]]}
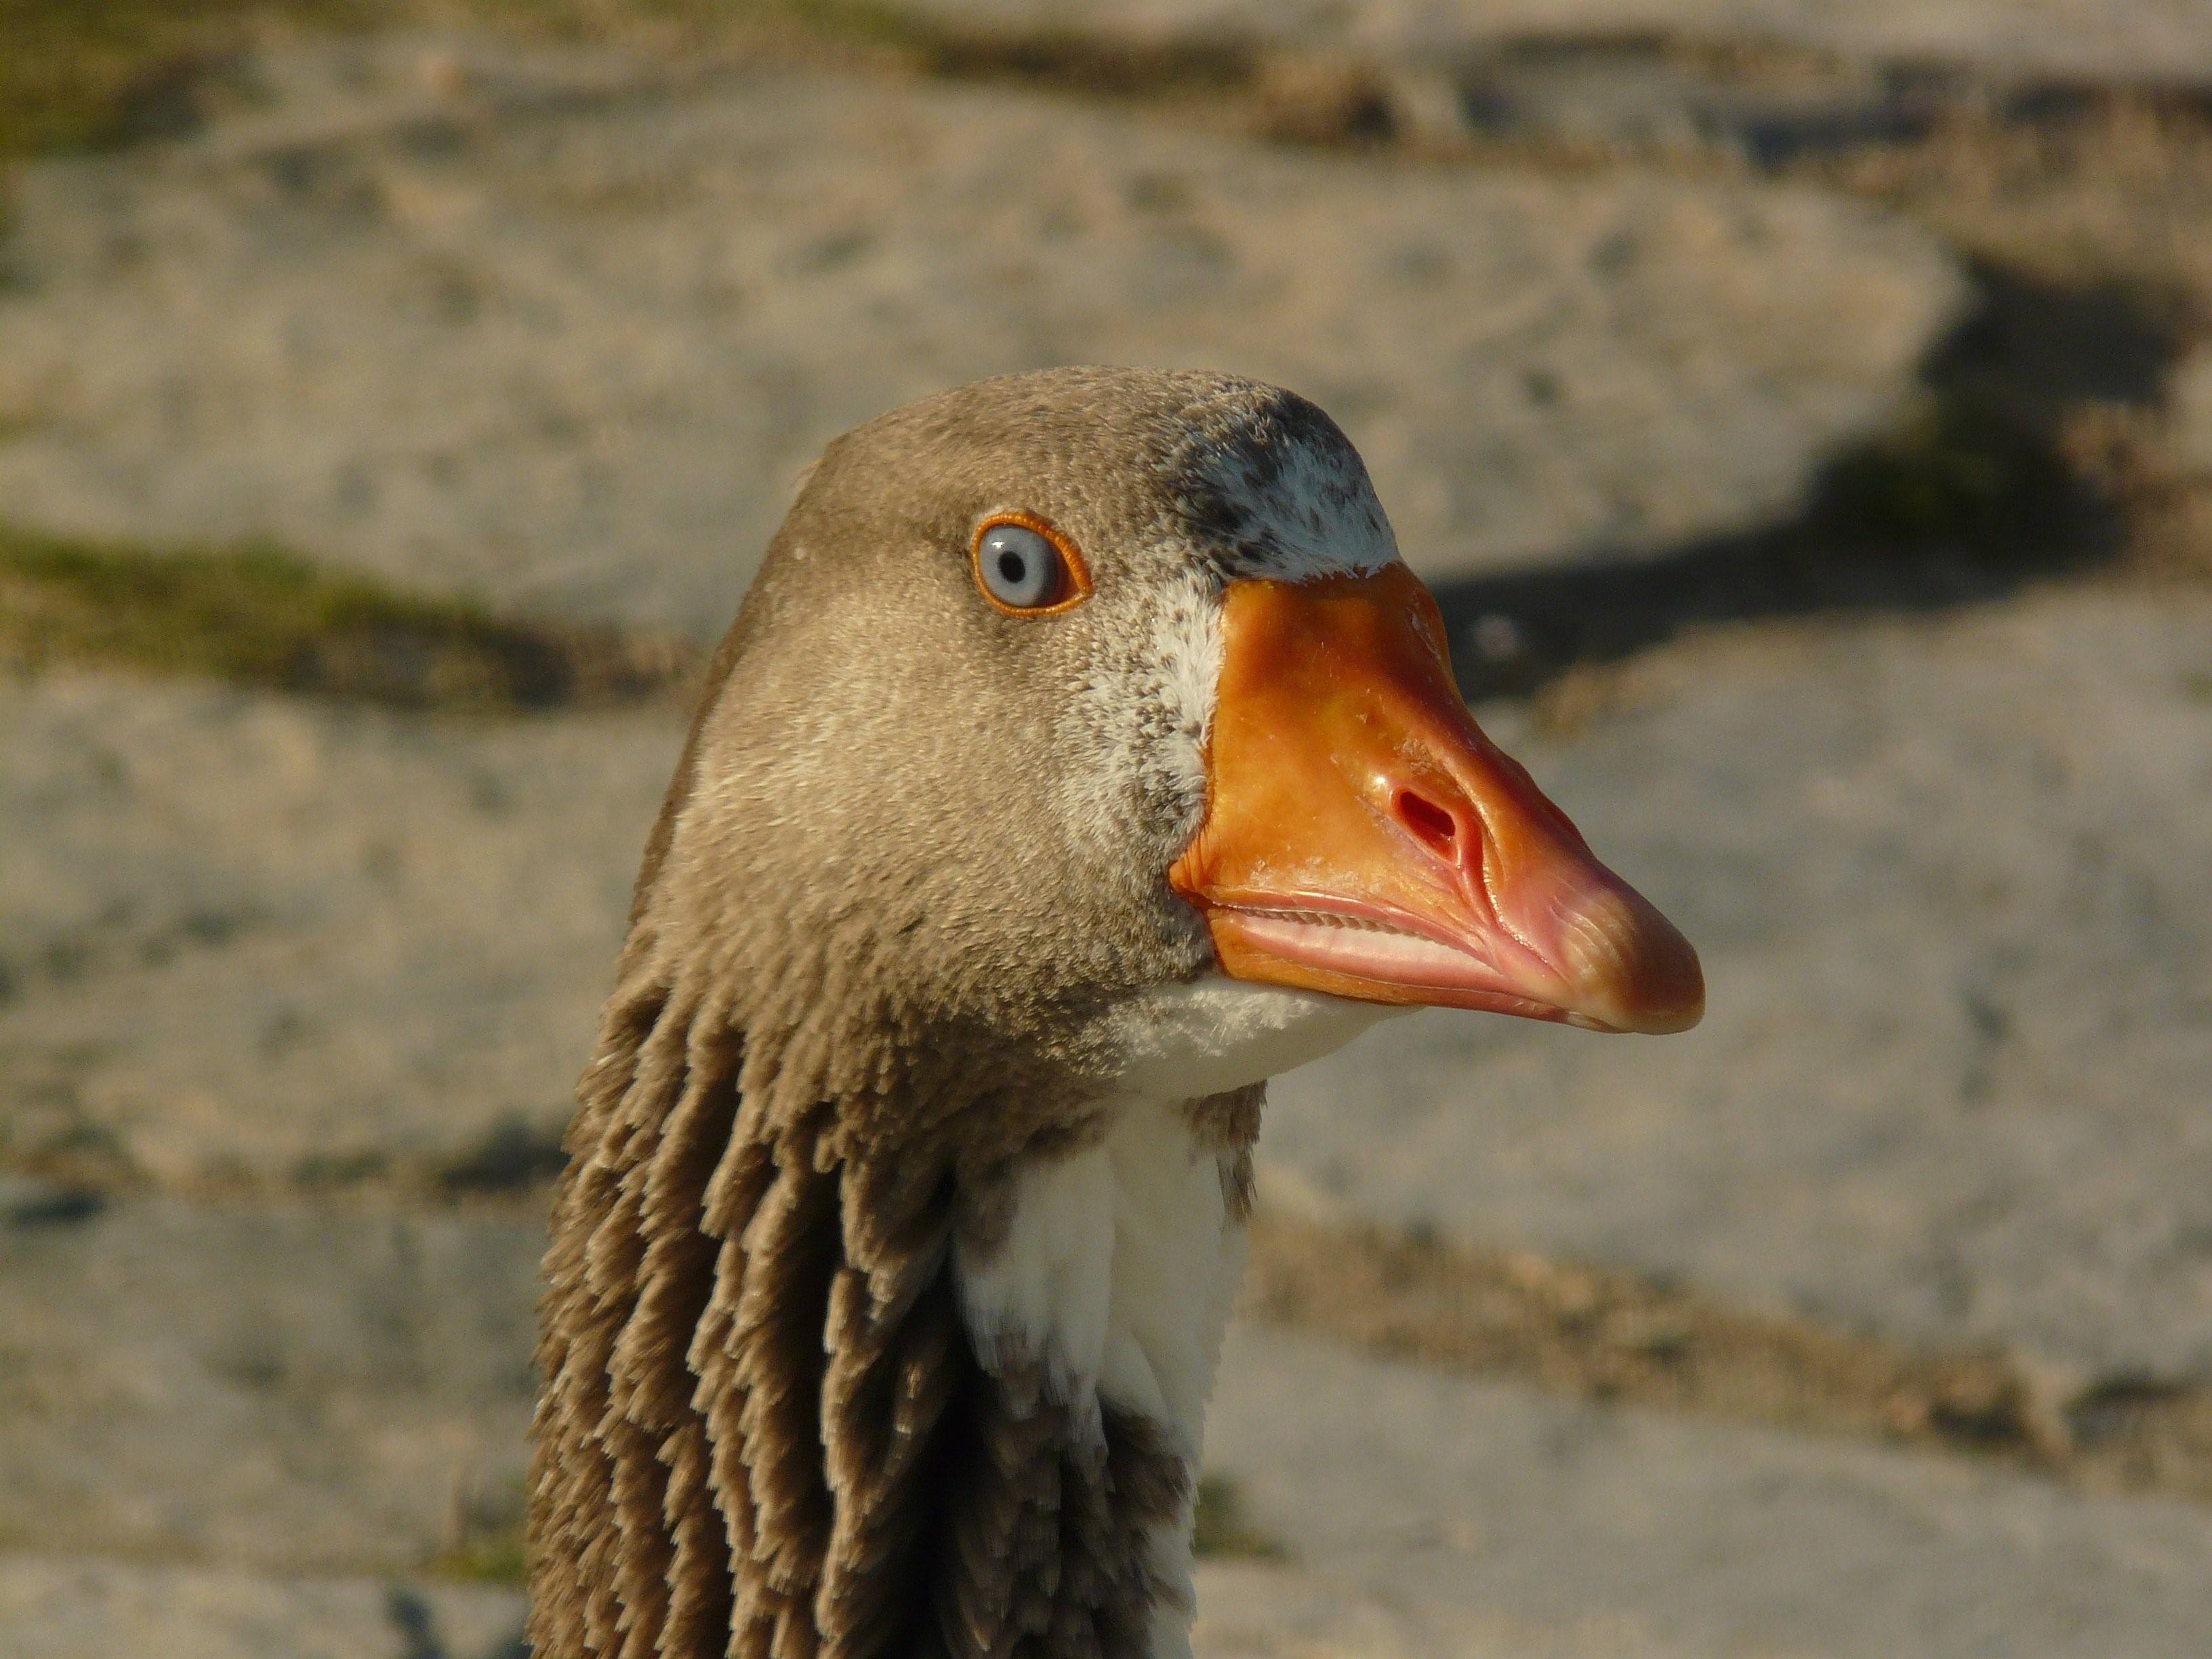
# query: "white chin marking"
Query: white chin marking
{"points": [[1215, 1034]]}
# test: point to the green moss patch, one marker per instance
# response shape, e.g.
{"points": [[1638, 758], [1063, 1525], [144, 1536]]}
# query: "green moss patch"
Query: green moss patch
{"points": [[500, 1559], [258, 616], [1222, 1531], [77, 74], [92, 72]]}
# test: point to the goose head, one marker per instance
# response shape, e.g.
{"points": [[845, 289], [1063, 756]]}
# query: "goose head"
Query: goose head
{"points": [[1083, 755]]}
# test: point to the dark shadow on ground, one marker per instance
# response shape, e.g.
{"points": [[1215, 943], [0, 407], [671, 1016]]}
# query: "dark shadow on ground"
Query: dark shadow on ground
{"points": [[1981, 490]]}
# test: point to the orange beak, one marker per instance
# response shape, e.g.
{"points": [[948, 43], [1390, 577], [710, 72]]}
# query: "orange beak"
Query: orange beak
{"points": [[1364, 838]]}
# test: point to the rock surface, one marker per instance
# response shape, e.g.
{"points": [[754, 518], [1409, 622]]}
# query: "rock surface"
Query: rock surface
{"points": [[82, 1607], [251, 937], [451, 319], [1430, 1517], [259, 939], [278, 1393], [279, 980], [314, 1391], [1949, 881]]}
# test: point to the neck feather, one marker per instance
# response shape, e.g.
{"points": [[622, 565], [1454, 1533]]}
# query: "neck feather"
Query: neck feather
{"points": [[813, 1388]]}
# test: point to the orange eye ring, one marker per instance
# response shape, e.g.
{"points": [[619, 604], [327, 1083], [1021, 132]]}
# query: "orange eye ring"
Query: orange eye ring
{"points": [[1074, 583]]}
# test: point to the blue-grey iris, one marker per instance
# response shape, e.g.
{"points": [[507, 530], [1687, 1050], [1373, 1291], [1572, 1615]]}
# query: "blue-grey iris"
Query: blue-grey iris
{"points": [[1019, 569]]}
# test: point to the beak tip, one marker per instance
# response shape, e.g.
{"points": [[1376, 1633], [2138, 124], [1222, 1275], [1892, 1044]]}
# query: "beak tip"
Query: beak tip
{"points": [[1678, 1012], [1639, 973]]}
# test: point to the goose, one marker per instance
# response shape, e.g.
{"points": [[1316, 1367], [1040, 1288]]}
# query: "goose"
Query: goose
{"points": [[1082, 756]]}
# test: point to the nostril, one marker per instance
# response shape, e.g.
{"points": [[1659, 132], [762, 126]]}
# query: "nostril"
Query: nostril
{"points": [[1430, 822]]}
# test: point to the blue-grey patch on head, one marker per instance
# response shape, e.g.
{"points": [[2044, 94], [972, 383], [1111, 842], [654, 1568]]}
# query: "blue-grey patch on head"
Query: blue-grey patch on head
{"points": [[1272, 488]]}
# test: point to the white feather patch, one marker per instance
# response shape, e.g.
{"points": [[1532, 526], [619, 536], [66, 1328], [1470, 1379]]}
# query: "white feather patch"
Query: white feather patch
{"points": [[1145, 724], [1170, 1231], [1109, 1268], [1118, 1267], [1045, 1289], [1177, 1260]]}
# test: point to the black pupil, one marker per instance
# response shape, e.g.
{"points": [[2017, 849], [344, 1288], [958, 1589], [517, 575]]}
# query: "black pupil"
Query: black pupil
{"points": [[1013, 567]]}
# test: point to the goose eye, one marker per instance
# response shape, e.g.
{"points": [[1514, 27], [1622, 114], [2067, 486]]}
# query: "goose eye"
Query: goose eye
{"points": [[1021, 567]]}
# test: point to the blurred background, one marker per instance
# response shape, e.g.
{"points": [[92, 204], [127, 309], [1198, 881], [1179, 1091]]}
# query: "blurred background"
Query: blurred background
{"points": [[1804, 414]]}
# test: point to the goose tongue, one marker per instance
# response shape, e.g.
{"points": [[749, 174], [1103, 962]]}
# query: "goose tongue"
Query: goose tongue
{"points": [[1362, 838]]}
